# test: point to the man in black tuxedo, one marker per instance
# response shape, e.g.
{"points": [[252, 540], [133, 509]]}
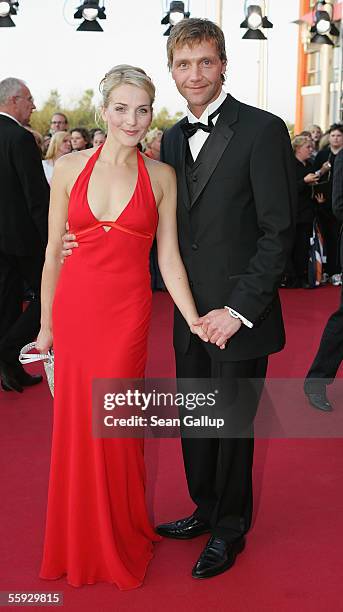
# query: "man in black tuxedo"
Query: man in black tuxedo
{"points": [[330, 353], [23, 231], [236, 202]]}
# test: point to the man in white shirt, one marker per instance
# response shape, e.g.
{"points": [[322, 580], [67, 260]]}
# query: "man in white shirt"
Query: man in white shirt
{"points": [[236, 202]]}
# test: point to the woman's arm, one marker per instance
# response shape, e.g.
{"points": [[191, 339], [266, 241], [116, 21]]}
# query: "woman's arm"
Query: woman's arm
{"points": [[58, 213], [169, 259]]}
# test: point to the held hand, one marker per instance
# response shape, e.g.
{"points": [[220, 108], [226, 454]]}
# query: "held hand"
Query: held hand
{"points": [[44, 341], [320, 198], [311, 178], [325, 168], [219, 326], [198, 331], [69, 243]]}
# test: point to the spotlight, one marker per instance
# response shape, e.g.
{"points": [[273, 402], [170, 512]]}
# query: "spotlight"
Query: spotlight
{"points": [[8, 8], [254, 20], [322, 24], [90, 11], [175, 14]]}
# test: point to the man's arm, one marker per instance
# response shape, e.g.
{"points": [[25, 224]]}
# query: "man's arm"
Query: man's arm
{"points": [[337, 188], [30, 173], [273, 180]]}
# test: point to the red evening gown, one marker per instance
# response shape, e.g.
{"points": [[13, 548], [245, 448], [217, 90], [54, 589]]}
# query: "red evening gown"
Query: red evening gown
{"points": [[97, 525]]}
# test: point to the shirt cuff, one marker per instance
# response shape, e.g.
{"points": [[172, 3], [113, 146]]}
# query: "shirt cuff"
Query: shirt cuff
{"points": [[236, 315]]}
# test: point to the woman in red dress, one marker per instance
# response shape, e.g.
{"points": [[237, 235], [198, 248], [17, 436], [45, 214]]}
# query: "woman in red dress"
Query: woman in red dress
{"points": [[96, 313]]}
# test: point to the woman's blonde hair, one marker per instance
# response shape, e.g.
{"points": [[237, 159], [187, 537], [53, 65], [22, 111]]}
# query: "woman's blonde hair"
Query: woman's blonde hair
{"points": [[299, 140], [313, 127], [55, 144], [124, 74], [324, 141]]}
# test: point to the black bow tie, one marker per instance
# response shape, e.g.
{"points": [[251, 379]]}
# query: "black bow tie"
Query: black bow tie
{"points": [[189, 129]]}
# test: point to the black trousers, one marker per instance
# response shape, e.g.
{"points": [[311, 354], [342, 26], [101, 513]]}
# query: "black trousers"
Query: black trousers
{"points": [[330, 228], [17, 328], [300, 253], [329, 355], [219, 471]]}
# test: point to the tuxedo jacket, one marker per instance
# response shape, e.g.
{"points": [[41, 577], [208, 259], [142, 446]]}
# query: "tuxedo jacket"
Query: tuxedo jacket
{"points": [[24, 198], [305, 201], [236, 224]]}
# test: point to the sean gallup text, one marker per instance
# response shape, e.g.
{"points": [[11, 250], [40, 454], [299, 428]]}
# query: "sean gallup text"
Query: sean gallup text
{"points": [[156, 421]]}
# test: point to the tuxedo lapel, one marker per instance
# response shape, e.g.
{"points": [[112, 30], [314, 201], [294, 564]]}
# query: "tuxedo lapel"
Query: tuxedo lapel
{"points": [[216, 144], [181, 162]]}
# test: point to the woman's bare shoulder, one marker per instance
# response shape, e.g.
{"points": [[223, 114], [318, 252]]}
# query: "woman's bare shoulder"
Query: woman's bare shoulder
{"points": [[159, 170], [74, 160], [68, 167]]}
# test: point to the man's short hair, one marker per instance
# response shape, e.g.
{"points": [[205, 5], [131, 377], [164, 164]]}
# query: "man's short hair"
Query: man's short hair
{"points": [[10, 87], [61, 115], [194, 31], [336, 126]]}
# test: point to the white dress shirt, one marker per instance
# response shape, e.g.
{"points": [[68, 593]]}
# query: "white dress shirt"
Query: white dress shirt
{"points": [[48, 168], [196, 142]]}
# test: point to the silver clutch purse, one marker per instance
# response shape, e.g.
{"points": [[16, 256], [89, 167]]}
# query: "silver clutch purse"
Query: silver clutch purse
{"points": [[48, 359]]}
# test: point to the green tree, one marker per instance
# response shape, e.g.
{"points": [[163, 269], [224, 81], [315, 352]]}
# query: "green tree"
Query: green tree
{"points": [[83, 113], [40, 120], [163, 120], [80, 114], [290, 127]]}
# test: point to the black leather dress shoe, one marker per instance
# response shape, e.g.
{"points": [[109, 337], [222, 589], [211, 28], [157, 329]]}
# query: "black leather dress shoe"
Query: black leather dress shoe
{"points": [[28, 380], [9, 378], [184, 529], [319, 401], [217, 557]]}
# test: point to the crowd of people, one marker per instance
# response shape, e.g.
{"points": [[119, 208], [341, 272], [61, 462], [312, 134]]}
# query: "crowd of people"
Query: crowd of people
{"points": [[81, 138], [316, 225], [314, 260]]}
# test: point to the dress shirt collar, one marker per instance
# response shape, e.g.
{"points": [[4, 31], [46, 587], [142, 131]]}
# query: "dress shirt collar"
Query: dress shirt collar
{"points": [[11, 117], [211, 108]]}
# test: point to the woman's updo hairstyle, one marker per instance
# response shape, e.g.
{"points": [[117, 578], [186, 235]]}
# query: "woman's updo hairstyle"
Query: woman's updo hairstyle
{"points": [[125, 74]]}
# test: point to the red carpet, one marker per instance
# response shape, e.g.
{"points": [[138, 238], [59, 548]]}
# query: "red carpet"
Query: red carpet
{"points": [[292, 562]]}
